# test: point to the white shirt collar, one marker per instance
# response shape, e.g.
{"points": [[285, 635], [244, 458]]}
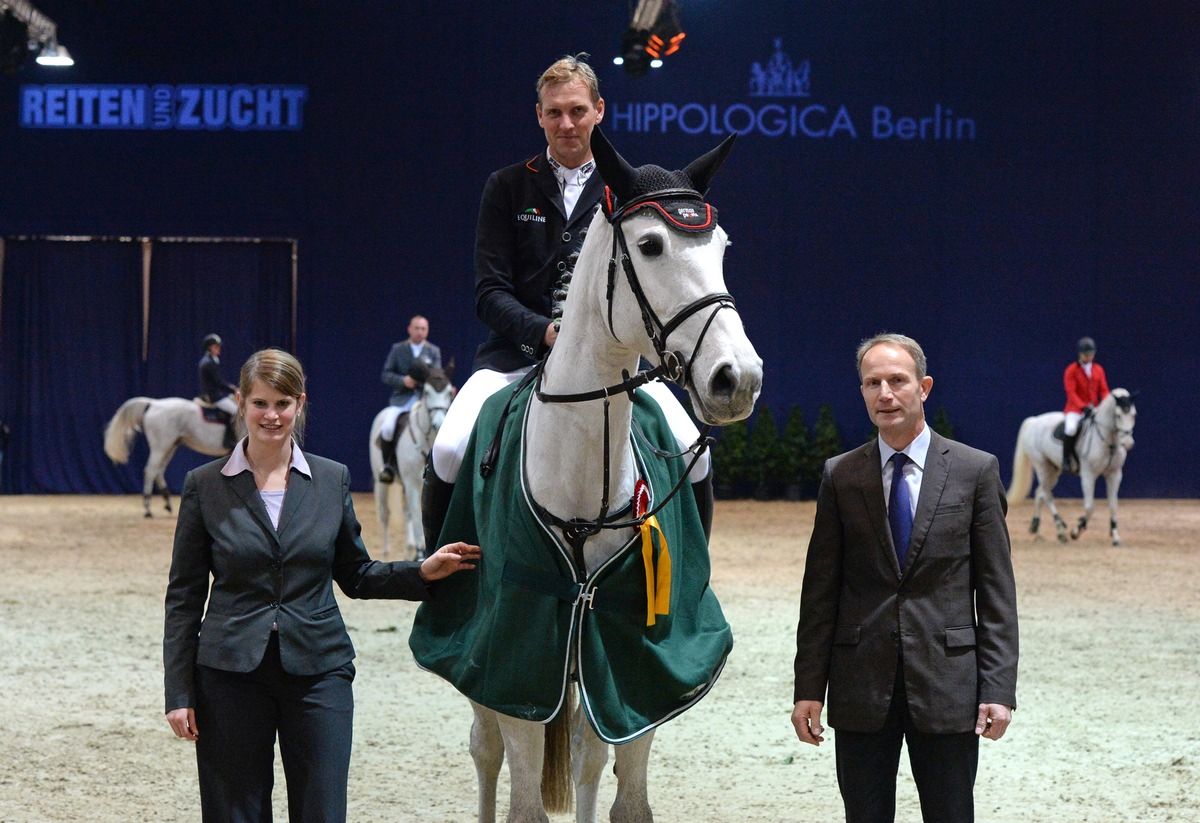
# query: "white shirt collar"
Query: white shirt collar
{"points": [[917, 450], [567, 176], [238, 462]]}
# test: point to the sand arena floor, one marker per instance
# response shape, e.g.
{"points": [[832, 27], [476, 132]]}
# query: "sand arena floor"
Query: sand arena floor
{"points": [[1109, 676]]}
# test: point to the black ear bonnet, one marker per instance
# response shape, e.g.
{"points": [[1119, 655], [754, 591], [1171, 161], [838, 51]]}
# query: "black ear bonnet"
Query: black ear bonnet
{"points": [[678, 196]]}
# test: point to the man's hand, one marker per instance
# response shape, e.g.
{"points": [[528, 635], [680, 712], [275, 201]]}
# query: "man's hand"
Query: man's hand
{"points": [[550, 336], [806, 717], [992, 720], [408, 382], [183, 723]]}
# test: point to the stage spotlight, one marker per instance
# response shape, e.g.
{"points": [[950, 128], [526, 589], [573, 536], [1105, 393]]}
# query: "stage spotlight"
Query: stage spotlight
{"points": [[654, 33], [52, 54]]}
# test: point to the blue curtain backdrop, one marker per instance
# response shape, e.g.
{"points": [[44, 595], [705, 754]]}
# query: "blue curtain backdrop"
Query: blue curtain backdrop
{"points": [[71, 345]]}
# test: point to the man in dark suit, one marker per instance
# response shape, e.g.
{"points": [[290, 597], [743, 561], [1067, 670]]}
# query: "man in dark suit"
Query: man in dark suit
{"points": [[405, 370], [908, 613]]}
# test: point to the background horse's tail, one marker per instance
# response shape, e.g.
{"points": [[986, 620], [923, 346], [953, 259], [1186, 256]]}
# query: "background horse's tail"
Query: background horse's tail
{"points": [[556, 764], [1022, 475], [120, 430]]}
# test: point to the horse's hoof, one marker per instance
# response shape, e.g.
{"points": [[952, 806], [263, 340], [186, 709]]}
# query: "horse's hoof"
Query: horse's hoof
{"points": [[1074, 536], [148, 515], [1117, 542], [1062, 537]]}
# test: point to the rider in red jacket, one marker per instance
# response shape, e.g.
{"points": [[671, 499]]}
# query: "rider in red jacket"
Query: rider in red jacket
{"points": [[1086, 386]]}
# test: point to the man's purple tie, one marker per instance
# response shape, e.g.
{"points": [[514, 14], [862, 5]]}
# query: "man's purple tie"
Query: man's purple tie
{"points": [[900, 508]]}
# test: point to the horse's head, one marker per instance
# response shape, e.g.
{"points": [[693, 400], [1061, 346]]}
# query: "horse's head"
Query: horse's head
{"points": [[1124, 416], [437, 395], [674, 309]]}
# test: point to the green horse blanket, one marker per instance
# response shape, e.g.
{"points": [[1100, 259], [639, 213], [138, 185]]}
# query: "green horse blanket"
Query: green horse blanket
{"points": [[647, 634]]}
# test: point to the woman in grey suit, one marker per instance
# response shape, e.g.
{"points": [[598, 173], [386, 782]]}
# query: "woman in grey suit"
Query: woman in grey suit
{"points": [[271, 528]]}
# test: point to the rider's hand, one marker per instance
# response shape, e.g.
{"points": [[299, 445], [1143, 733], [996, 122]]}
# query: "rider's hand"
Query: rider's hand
{"points": [[550, 336]]}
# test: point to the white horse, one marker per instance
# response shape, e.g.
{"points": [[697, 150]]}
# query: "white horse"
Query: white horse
{"points": [[1102, 447], [168, 423], [412, 448], [667, 254]]}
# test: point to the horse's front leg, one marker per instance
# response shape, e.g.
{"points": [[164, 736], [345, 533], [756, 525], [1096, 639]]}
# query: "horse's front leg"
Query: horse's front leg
{"points": [[523, 746], [1113, 482], [412, 514], [1088, 481], [588, 755], [632, 804], [1046, 481], [487, 750], [382, 512]]}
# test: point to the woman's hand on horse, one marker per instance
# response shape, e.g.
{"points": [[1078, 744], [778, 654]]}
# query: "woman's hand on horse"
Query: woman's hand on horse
{"points": [[449, 559], [183, 723], [550, 336]]}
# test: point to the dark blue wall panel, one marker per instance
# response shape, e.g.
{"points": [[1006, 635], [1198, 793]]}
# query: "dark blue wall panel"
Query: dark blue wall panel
{"points": [[1062, 201]]}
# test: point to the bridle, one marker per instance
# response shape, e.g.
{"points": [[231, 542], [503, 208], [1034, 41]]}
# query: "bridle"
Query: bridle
{"points": [[1113, 438], [672, 366]]}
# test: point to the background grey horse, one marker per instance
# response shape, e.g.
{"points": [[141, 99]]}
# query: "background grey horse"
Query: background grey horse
{"points": [[1102, 447]]}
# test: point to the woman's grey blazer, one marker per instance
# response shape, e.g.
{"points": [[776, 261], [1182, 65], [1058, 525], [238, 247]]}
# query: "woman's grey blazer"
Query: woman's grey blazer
{"points": [[263, 577]]}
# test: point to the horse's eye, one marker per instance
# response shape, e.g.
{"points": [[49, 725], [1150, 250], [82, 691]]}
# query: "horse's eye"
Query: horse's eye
{"points": [[651, 246]]}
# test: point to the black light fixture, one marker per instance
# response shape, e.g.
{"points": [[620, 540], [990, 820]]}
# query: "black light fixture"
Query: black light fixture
{"points": [[654, 33], [14, 42], [24, 29]]}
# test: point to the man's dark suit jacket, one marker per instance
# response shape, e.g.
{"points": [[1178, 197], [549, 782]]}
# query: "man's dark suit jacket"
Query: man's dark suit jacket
{"points": [[400, 363], [522, 245], [953, 611], [263, 576]]}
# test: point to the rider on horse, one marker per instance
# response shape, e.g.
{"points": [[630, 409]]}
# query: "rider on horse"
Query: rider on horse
{"points": [[532, 220], [405, 370], [214, 389], [1086, 386]]}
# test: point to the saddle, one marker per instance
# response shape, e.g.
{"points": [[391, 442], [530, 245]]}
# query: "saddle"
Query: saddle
{"points": [[211, 413], [1061, 427]]}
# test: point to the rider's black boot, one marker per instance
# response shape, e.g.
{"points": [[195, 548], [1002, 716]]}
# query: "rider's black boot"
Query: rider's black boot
{"points": [[1070, 461], [703, 490], [388, 473], [435, 502]]}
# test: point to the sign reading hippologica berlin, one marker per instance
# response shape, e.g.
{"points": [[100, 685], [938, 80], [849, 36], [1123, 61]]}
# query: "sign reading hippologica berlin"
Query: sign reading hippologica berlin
{"points": [[783, 106], [186, 107]]}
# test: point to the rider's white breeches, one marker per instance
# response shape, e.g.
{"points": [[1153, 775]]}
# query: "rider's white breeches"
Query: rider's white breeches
{"points": [[452, 437], [1071, 423]]}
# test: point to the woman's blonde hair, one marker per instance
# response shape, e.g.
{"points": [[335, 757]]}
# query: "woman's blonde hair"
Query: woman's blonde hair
{"points": [[283, 373]]}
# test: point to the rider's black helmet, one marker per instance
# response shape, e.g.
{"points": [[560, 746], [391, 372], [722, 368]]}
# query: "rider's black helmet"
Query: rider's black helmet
{"points": [[210, 339], [1086, 345]]}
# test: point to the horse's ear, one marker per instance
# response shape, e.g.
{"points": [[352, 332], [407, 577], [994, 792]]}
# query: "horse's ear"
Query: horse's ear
{"points": [[617, 174], [703, 169]]}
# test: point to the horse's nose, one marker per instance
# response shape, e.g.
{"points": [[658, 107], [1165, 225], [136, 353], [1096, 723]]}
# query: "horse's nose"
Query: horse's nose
{"points": [[728, 381]]}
